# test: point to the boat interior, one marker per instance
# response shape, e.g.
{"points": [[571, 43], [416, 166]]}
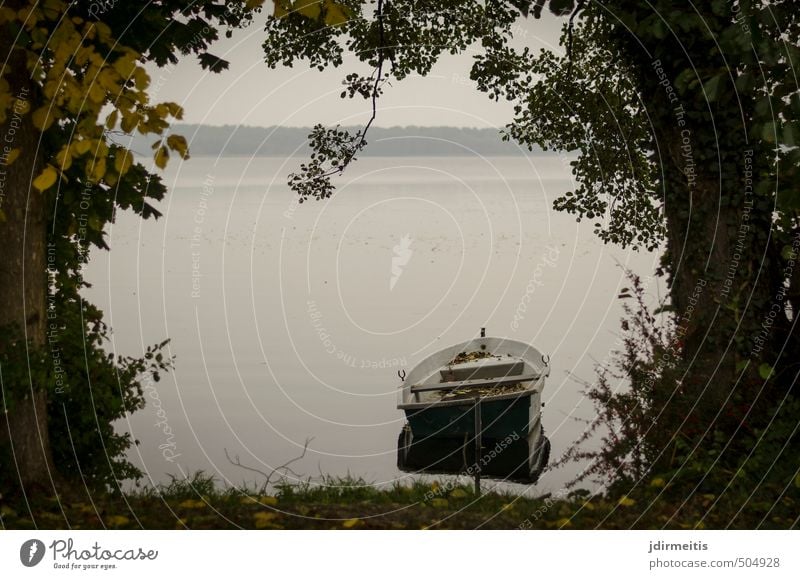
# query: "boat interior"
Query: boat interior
{"points": [[476, 374]]}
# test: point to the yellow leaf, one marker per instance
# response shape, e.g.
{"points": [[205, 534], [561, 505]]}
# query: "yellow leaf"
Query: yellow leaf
{"points": [[30, 16], [82, 55], [81, 147], [84, 508], [42, 118], [118, 520], [336, 14], [268, 500], [308, 8], [175, 110], [97, 169], [123, 161], [192, 504], [46, 179], [264, 519], [111, 120], [161, 157], [565, 522], [281, 9], [129, 122], [12, 155], [125, 65], [103, 31], [626, 502], [350, 523], [459, 494], [178, 143], [657, 482], [439, 503], [7, 14], [140, 78], [50, 88], [108, 80], [96, 93], [64, 158]]}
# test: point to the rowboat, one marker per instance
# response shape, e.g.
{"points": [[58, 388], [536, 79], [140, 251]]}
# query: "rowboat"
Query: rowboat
{"points": [[488, 390]]}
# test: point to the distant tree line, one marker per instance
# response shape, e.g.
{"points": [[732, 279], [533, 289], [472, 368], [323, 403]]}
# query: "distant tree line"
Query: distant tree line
{"points": [[410, 141]]}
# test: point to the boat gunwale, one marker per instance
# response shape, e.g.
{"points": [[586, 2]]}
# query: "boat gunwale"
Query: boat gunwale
{"points": [[528, 392]]}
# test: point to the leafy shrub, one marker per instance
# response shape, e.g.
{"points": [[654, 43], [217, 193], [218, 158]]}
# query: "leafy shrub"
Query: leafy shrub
{"points": [[648, 425]]}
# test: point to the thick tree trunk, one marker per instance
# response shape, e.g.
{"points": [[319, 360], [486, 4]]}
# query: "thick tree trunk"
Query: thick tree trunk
{"points": [[721, 275], [719, 260], [23, 283]]}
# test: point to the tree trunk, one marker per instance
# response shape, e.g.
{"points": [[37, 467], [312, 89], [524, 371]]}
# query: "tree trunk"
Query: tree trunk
{"points": [[23, 282], [722, 286]]}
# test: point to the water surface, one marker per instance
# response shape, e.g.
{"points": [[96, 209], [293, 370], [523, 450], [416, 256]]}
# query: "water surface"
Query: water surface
{"points": [[290, 321]]}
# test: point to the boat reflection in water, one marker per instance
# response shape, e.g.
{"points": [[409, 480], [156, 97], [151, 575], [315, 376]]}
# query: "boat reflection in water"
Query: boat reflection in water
{"points": [[475, 408]]}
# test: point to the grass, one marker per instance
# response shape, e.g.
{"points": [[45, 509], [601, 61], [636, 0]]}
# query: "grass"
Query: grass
{"points": [[350, 503]]}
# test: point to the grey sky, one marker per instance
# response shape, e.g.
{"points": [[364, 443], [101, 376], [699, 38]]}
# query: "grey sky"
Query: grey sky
{"points": [[249, 93]]}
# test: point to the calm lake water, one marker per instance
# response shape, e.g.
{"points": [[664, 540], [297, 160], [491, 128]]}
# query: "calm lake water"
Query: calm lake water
{"points": [[290, 321]]}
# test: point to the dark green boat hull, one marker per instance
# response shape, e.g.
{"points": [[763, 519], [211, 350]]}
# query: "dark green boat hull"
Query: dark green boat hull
{"points": [[499, 418], [441, 440]]}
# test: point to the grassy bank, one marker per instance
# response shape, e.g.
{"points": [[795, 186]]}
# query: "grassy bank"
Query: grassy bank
{"points": [[354, 504]]}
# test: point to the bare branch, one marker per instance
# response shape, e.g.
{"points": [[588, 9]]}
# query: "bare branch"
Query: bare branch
{"points": [[317, 177], [283, 470]]}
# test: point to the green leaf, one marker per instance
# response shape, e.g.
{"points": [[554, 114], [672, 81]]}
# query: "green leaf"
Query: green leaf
{"points": [[659, 29], [768, 131], [744, 82], [788, 136], [765, 371], [712, 88]]}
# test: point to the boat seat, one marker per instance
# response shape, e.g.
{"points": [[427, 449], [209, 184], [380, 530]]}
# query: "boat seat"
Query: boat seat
{"points": [[472, 383], [491, 368]]}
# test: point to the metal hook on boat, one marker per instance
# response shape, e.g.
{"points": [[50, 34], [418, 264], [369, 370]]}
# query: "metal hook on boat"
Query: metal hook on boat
{"points": [[402, 375], [546, 359]]}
